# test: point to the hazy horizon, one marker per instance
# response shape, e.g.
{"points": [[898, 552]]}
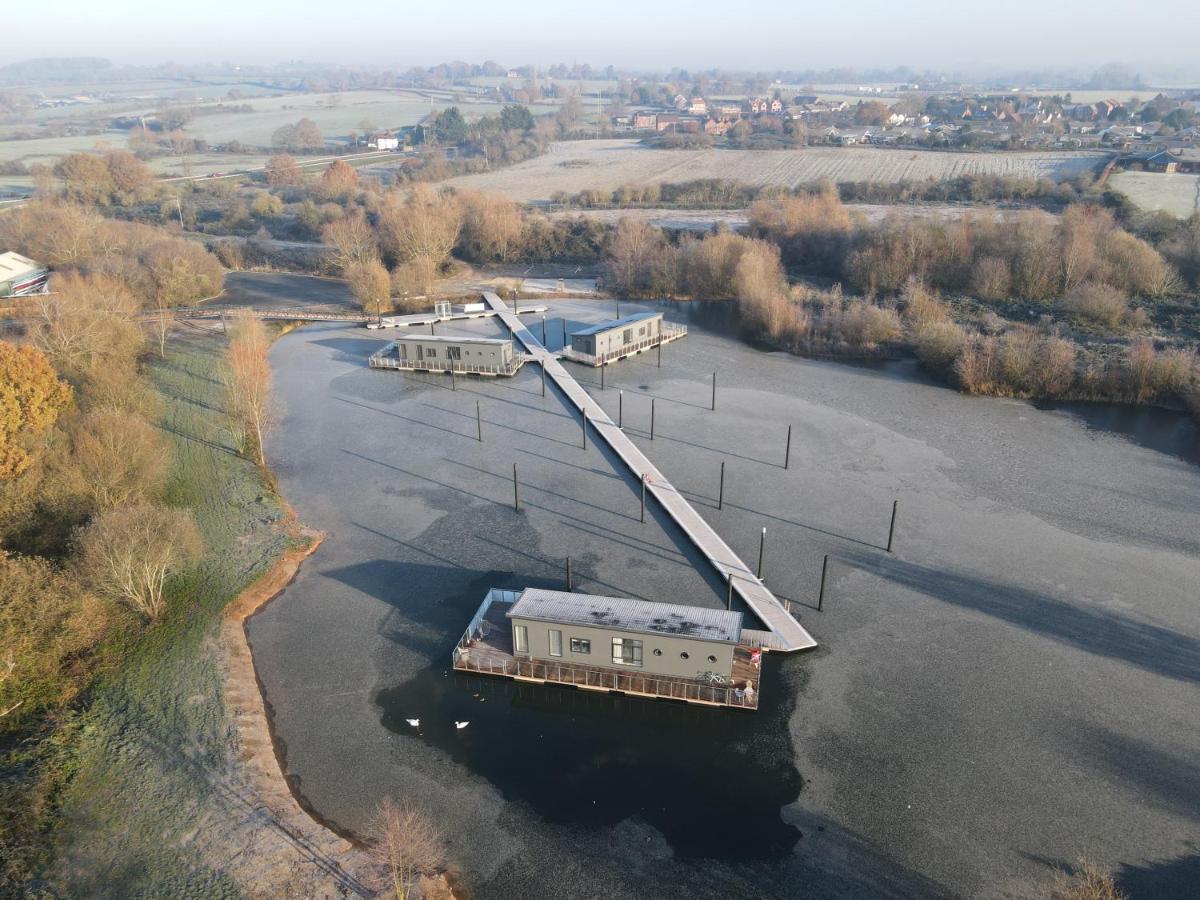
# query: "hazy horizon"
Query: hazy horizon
{"points": [[757, 36]]}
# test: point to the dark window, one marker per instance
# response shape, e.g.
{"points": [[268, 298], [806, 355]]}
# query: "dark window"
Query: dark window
{"points": [[712, 659], [431, 353], [454, 352], [683, 655], [626, 652], [657, 652], [555, 642], [627, 336], [581, 645]]}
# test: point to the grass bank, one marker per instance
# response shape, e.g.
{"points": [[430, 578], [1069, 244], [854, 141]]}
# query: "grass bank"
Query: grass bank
{"points": [[149, 803]]}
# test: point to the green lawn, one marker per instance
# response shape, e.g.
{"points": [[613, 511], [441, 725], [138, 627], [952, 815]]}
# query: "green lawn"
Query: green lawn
{"points": [[151, 796]]}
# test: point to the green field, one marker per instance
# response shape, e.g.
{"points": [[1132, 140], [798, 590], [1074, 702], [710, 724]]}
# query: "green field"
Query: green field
{"points": [[152, 807]]}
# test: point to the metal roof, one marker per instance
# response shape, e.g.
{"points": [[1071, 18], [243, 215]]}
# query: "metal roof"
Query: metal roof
{"points": [[617, 323], [622, 614], [444, 339], [14, 265]]}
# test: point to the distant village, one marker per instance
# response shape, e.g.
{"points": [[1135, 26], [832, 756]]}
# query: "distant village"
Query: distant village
{"points": [[1160, 134]]}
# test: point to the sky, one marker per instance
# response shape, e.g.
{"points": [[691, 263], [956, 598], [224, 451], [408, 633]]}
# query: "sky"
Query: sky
{"points": [[755, 35]]}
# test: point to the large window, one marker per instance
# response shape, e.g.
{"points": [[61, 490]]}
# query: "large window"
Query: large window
{"points": [[627, 337], [520, 639], [454, 352], [555, 642], [626, 652], [581, 645]]}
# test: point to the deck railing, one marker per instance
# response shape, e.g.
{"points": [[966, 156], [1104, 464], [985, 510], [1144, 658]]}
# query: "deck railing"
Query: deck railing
{"points": [[387, 361], [495, 595], [467, 659], [669, 332]]}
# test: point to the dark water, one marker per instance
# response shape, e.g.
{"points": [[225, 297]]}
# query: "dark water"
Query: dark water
{"points": [[1174, 433], [712, 781]]}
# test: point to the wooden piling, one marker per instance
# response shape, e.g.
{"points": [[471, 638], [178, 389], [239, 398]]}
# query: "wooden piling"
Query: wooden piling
{"points": [[651, 418], [787, 453], [478, 423], [762, 545], [516, 496], [721, 489], [824, 572], [892, 526], [643, 497], [714, 392]]}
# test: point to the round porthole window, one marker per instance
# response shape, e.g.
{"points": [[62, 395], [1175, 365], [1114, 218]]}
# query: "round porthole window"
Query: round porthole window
{"points": [[657, 652], [683, 655], [712, 659]]}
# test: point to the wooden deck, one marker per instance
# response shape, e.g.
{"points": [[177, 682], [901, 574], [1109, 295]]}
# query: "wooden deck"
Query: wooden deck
{"points": [[789, 633], [486, 648]]}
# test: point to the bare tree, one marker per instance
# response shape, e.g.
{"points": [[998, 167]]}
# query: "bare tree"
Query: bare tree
{"points": [[371, 286], [351, 240], [122, 458], [424, 226], [248, 382], [407, 845], [128, 553]]}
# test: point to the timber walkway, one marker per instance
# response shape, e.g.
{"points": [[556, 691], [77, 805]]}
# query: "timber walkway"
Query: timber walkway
{"points": [[787, 631]]}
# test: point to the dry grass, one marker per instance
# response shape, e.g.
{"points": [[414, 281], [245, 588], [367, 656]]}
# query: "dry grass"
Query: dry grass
{"points": [[1086, 882]]}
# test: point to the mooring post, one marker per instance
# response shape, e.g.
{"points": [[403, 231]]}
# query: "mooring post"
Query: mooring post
{"points": [[568, 573], [602, 368], [516, 305], [478, 423], [543, 380], [516, 497], [453, 386], [787, 453], [431, 327], [660, 343], [651, 418], [564, 323], [223, 330], [583, 427], [543, 331], [714, 397], [892, 527], [721, 489], [620, 409], [729, 590], [378, 312], [643, 496], [824, 572], [762, 544], [618, 302]]}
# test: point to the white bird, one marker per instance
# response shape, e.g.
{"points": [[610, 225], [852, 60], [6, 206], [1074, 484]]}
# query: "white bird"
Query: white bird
{"points": [[413, 722], [461, 725]]}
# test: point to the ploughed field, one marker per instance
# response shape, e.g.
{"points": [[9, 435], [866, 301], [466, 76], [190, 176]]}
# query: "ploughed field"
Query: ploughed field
{"points": [[1013, 688], [574, 166]]}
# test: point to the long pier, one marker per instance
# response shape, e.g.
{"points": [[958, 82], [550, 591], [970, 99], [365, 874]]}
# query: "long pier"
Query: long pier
{"points": [[789, 634]]}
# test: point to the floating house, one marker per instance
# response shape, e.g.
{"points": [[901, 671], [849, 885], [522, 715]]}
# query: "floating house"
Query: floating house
{"points": [[661, 650], [437, 353], [619, 338]]}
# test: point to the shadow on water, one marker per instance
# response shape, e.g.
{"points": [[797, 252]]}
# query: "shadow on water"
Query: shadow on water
{"points": [[712, 781], [1164, 430]]}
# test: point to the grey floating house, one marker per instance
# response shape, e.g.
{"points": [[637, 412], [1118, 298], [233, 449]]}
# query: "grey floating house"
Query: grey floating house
{"points": [[616, 644], [619, 338], [438, 353]]}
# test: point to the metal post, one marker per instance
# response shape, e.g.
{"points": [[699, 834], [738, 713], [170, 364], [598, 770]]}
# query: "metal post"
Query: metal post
{"points": [[543, 381], [824, 572], [643, 496], [602, 368], [516, 305], [378, 312], [516, 497], [787, 453], [453, 387], [651, 418], [543, 331], [564, 323], [568, 573], [583, 427], [431, 327], [714, 397], [660, 352], [721, 489], [223, 329], [478, 423], [892, 527], [762, 543], [729, 590], [620, 409]]}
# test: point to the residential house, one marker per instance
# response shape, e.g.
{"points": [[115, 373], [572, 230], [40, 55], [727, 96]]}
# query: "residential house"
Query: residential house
{"points": [[698, 106]]}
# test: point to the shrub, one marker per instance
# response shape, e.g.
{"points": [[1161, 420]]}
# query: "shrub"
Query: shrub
{"points": [[991, 279], [938, 345], [1097, 304]]}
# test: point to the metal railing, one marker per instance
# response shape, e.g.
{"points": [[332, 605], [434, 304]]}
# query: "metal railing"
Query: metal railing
{"points": [[669, 332], [487, 661], [386, 361], [495, 595]]}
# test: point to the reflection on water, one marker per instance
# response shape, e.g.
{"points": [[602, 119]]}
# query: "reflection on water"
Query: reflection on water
{"points": [[712, 781]]}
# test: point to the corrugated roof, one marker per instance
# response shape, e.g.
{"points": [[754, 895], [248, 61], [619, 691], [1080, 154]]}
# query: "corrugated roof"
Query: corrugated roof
{"points": [[628, 615], [13, 265], [617, 323], [444, 339]]}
